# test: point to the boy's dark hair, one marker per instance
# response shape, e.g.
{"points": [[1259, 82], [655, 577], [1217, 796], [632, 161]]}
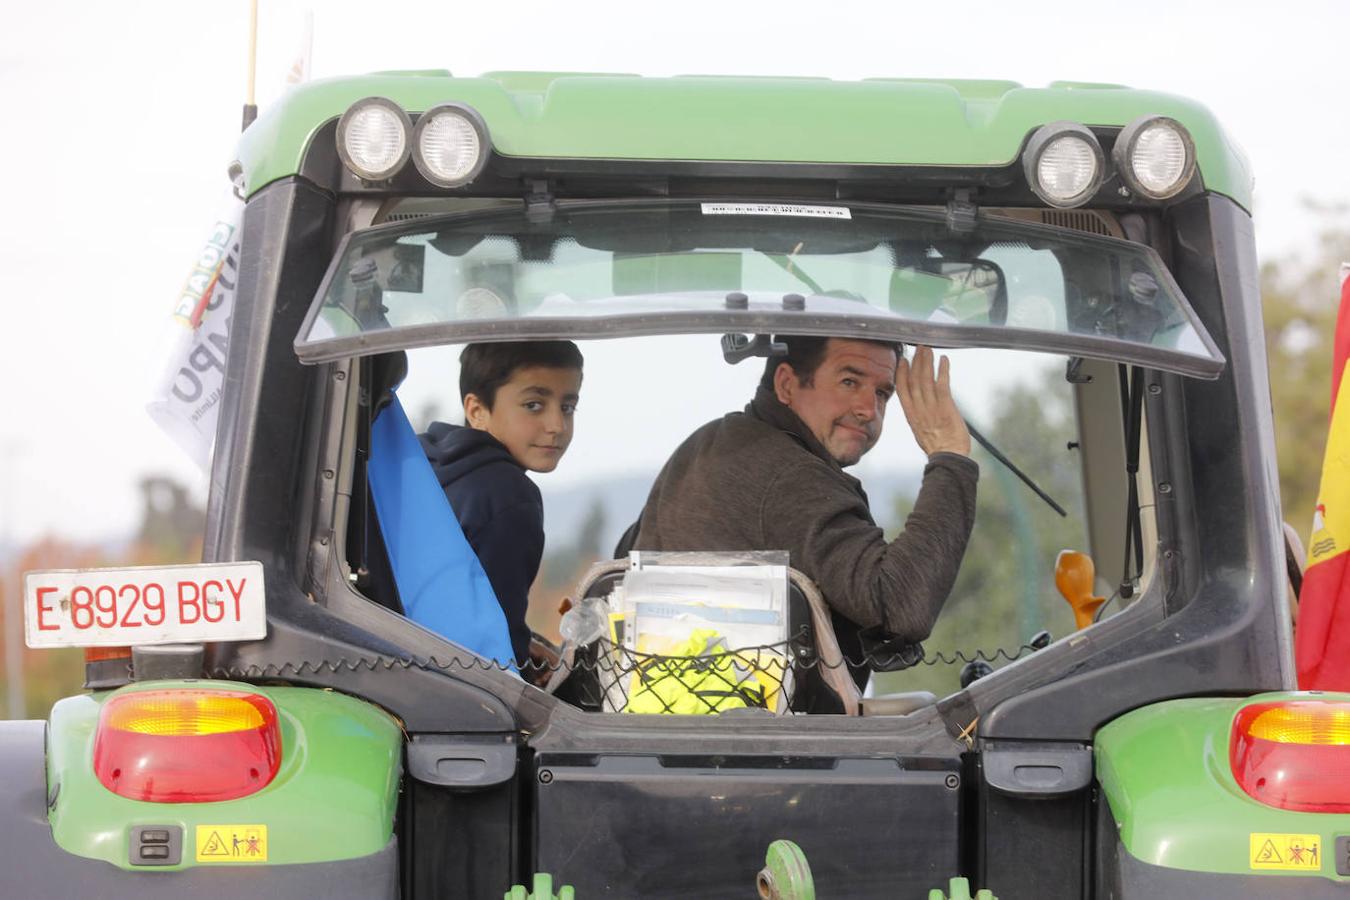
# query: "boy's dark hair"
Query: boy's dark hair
{"points": [[806, 353], [483, 368]]}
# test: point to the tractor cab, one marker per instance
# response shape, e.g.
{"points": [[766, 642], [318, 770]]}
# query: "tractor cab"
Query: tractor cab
{"points": [[1084, 256]]}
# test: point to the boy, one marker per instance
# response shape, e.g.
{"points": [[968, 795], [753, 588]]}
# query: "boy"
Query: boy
{"points": [[519, 399]]}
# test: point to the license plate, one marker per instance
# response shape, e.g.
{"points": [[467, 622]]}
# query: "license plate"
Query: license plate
{"points": [[144, 605]]}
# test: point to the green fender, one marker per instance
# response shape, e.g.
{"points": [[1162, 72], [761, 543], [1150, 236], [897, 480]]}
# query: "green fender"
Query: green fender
{"points": [[1167, 781], [333, 797]]}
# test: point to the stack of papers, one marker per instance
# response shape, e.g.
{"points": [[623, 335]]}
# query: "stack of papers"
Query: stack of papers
{"points": [[746, 605]]}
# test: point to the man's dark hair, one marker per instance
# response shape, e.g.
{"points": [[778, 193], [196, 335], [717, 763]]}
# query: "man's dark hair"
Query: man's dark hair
{"points": [[483, 368], [806, 353]]}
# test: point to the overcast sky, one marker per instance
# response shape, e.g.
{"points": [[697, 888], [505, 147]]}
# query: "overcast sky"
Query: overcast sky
{"points": [[119, 121]]}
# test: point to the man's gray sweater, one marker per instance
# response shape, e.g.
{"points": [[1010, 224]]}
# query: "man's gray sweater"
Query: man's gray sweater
{"points": [[760, 480]]}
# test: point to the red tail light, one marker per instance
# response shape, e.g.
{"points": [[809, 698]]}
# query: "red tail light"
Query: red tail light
{"points": [[1294, 754], [187, 746]]}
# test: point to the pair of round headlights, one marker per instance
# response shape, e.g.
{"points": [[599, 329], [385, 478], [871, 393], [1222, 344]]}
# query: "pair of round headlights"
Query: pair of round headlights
{"points": [[1065, 165], [449, 144]]}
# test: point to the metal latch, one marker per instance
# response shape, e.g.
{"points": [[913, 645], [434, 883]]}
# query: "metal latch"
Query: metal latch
{"points": [[539, 204], [962, 211]]}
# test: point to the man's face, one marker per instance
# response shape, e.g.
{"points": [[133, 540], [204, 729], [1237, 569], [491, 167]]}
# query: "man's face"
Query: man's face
{"points": [[845, 404], [532, 415]]}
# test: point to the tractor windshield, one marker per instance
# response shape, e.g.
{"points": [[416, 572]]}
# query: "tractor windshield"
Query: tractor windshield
{"points": [[596, 270]]}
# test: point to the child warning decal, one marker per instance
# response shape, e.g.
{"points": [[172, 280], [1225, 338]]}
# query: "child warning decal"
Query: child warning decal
{"points": [[1299, 852], [231, 843]]}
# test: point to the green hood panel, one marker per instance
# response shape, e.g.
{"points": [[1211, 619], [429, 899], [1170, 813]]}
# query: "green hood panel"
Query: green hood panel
{"points": [[893, 122], [1165, 774], [333, 797]]}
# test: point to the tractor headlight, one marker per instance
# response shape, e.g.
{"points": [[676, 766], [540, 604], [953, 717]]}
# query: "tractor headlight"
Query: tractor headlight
{"points": [[372, 138], [1155, 156], [450, 145], [1064, 164]]}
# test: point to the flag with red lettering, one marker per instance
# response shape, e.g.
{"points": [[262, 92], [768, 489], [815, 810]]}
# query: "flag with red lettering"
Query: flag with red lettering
{"points": [[186, 402], [1322, 640]]}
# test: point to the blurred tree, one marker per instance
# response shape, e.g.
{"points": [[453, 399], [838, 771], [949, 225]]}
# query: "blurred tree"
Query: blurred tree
{"points": [[587, 546], [48, 675], [1300, 295], [171, 523], [562, 568]]}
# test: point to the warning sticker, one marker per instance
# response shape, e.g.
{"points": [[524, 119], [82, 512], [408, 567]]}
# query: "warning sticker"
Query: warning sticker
{"points": [[776, 209], [232, 843], [1302, 852]]}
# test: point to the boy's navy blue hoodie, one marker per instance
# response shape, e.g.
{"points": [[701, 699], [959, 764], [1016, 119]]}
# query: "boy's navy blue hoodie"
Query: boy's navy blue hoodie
{"points": [[500, 511]]}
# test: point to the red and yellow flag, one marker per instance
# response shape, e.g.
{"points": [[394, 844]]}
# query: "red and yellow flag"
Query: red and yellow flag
{"points": [[1322, 641]]}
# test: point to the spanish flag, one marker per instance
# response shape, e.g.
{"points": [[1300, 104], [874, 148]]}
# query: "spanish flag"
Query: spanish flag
{"points": [[1322, 641]]}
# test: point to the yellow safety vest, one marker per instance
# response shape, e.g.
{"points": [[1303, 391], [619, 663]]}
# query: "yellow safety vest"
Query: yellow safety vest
{"points": [[700, 676]]}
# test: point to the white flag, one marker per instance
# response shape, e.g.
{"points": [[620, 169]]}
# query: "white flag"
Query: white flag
{"points": [[299, 71], [186, 401]]}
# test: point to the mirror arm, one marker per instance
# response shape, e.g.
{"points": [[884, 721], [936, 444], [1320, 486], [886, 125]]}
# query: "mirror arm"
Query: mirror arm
{"points": [[962, 211]]}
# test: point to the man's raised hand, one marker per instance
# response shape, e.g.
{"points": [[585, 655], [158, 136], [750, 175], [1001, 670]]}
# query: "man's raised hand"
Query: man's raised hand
{"points": [[928, 405]]}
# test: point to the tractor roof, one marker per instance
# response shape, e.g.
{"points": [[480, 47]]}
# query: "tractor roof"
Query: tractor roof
{"points": [[884, 121]]}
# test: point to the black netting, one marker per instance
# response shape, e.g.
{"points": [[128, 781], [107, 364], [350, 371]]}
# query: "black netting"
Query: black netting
{"points": [[609, 677], [782, 678]]}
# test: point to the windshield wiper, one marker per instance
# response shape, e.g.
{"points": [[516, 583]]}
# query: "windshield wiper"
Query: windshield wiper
{"points": [[1026, 479]]}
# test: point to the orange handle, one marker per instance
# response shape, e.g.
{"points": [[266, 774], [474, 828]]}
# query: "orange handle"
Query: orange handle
{"points": [[1074, 576]]}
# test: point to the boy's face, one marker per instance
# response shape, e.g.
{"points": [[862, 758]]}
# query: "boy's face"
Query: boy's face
{"points": [[532, 415]]}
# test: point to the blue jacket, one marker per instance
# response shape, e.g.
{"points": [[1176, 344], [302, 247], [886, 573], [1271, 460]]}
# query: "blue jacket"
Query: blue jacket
{"points": [[500, 511]]}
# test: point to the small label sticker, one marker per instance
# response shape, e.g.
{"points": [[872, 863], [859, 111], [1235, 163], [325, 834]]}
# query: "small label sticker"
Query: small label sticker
{"points": [[776, 209], [231, 843], [1300, 852]]}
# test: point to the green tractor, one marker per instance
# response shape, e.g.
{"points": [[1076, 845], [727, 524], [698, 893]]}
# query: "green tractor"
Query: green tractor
{"points": [[281, 729]]}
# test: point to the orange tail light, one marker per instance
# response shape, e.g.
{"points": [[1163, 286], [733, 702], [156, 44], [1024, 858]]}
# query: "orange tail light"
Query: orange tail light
{"points": [[1294, 754], [187, 746]]}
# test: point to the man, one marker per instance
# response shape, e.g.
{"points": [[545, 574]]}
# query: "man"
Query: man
{"points": [[772, 478]]}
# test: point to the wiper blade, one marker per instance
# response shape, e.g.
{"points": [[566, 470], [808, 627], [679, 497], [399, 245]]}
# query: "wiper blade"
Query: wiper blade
{"points": [[1026, 479]]}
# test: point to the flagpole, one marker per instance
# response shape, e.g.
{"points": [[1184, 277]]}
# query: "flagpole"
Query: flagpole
{"points": [[250, 105]]}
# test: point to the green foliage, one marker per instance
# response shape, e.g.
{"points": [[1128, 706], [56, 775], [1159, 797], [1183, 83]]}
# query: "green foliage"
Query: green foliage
{"points": [[1005, 592], [562, 567], [1300, 296]]}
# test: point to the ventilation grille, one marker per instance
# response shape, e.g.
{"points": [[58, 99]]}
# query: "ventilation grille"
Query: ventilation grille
{"points": [[1075, 219], [1078, 220]]}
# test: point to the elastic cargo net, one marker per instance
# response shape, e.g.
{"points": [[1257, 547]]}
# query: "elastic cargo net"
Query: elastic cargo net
{"points": [[701, 676]]}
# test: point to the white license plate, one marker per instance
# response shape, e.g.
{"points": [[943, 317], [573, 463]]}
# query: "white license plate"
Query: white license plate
{"points": [[144, 605]]}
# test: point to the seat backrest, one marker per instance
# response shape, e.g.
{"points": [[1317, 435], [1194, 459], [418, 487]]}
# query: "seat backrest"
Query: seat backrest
{"points": [[441, 582]]}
